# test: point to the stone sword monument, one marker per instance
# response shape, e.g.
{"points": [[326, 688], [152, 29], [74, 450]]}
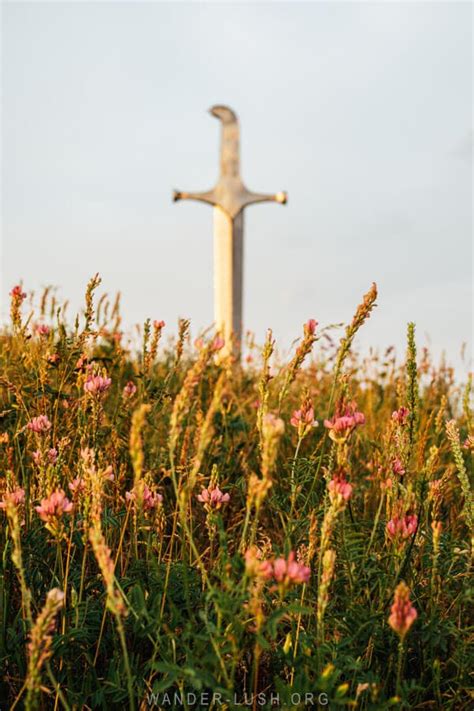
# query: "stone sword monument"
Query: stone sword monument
{"points": [[229, 198]]}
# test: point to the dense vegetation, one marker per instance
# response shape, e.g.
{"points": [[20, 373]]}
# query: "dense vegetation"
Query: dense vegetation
{"points": [[180, 528]]}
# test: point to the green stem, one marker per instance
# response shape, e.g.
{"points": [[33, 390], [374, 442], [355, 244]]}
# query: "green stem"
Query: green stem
{"points": [[293, 482], [399, 668], [55, 683], [128, 672], [374, 528], [242, 545], [81, 585]]}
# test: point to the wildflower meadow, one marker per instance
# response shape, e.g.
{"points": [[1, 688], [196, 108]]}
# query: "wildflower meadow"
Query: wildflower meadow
{"points": [[182, 529]]}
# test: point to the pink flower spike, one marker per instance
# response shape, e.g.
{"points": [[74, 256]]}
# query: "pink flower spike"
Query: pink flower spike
{"points": [[255, 566], [279, 569], [306, 418], [39, 424], [129, 390], [345, 420], [151, 499], [309, 417], [397, 467], [42, 330], [399, 529], [469, 443], [310, 326], [108, 473], [81, 362], [203, 497], [401, 415], [213, 498], [298, 573], [402, 612], [217, 344], [18, 293], [97, 384], [296, 418], [359, 418], [392, 527], [76, 485], [15, 497], [410, 524], [303, 419], [289, 572], [339, 490], [266, 569], [37, 457], [53, 455], [53, 507]]}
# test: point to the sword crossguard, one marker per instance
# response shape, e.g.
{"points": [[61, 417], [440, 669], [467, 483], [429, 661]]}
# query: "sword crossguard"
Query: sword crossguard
{"points": [[230, 193]]}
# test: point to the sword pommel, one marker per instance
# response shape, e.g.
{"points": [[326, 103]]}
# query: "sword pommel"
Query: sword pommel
{"points": [[224, 113]]}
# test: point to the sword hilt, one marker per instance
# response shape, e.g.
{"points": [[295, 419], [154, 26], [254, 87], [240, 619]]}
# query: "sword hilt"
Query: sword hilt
{"points": [[230, 193]]}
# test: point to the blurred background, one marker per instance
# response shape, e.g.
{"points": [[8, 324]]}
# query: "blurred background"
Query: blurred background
{"points": [[361, 111]]}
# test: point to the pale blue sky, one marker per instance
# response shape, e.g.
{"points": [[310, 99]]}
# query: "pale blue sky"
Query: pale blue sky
{"points": [[361, 111]]}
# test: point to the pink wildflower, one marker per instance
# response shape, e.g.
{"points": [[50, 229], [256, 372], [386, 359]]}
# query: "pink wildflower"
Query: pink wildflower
{"points": [[42, 330], [255, 566], [97, 384], [399, 529], [303, 419], [15, 497], [288, 571], [18, 293], [401, 415], [52, 455], [151, 499], [346, 419], [213, 498], [37, 457], [310, 326], [397, 467], [76, 485], [218, 343], [129, 390], [39, 424], [339, 490], [108, 473], [402, 612], [53, 507], [469, 443], [81, 362]]}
